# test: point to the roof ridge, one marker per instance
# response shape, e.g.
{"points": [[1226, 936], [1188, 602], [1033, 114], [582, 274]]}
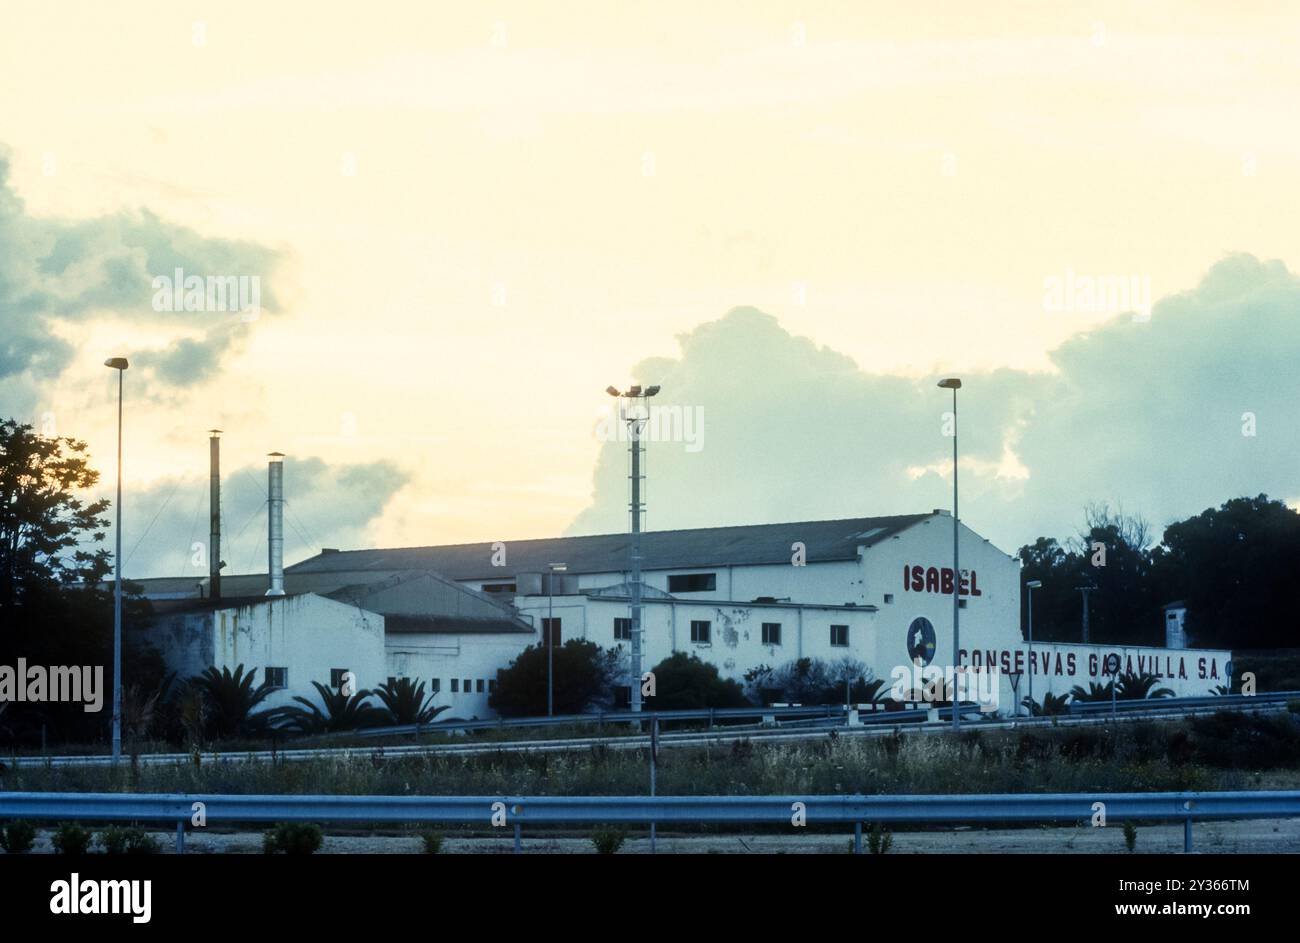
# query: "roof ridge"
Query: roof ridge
{"points": [[647, 533]]}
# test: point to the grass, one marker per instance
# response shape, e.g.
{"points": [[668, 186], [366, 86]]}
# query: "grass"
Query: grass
{"points": [[1223, 751]]}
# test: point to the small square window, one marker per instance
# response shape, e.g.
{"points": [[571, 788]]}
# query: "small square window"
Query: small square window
{"points": [[700, 631], [337, 677], [455, 685], [622, 630], [277, 677], [478, 686], [889, 597], [549, 626], [435, 685], [468, 686], [840, 635], [771, 633]]}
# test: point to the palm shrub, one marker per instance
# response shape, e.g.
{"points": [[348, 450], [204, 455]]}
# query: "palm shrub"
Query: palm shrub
{"points": [[1095, 692], [1051, 706], [1136, 687], [341, 712], [229, 700], [406, 703], [17, 837], [432, 841]]}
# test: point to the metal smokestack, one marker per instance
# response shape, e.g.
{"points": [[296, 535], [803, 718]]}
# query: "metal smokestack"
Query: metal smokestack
{"points": [[275, 523], [214, 506]]}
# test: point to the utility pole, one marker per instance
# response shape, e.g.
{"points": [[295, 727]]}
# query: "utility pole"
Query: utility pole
{"points": [[635, 419]]}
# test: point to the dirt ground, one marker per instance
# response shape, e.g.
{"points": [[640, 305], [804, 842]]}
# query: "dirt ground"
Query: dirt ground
{"points": [[1261, 836]]}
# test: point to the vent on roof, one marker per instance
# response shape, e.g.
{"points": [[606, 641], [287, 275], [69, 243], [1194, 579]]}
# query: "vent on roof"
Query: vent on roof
{"points": [[325, 550]]}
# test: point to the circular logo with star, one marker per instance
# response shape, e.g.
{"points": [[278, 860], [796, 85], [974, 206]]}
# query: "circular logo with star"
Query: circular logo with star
{"points": [[920, 641]]}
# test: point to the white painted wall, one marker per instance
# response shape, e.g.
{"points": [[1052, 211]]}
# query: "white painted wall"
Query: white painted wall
{"points": [[308, 634], [476, 658], [736, 637]]}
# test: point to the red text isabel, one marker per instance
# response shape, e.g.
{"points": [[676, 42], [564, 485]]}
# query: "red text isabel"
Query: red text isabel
{"points": [[920, 579]]}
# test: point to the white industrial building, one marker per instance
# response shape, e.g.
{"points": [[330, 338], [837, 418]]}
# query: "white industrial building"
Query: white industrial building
{"points": [[875, 590]]}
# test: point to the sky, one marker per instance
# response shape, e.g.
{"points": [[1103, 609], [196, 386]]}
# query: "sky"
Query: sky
{"points": [[466, 222]]}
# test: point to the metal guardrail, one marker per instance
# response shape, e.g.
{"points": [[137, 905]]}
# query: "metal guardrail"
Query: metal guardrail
{"points": [[1225, 701], [517, 811]]}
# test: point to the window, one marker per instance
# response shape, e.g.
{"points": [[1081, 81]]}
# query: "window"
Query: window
{"points": [[693, 583], [468, 687], [622, 630], [622, 697], [700, 631], [478, 686], [771, 633], [277, 677], [336, 677], [840, 635], [435, 685], [549, 625], [455, 685], [499, 588], [492, 685], [889, 597]]}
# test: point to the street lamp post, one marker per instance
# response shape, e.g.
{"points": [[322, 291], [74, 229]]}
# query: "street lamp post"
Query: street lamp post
{"points": [[1031, 586], [550, 634], [119, 364], [954, 384], [635, 422]]}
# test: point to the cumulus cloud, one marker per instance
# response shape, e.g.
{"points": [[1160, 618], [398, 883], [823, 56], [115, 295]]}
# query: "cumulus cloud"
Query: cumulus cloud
{"points": [[1155, 415], [70, 271], [325, 505]]}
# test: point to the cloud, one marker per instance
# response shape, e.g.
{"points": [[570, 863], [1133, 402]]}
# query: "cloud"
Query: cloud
{"points": [[325, 505], [1149, 415], [70, 271]]}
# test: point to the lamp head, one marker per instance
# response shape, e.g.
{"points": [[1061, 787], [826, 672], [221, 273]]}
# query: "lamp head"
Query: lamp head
{"points": [[951, 383], [116, 363], [1035, 584]]}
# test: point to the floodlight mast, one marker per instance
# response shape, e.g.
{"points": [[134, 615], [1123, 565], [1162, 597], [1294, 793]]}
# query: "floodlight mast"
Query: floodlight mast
{"points": [[635, 420]]}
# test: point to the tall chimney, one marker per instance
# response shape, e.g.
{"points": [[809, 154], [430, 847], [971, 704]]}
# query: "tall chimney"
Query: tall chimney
{"points": [[214, 506], [275, 523]]}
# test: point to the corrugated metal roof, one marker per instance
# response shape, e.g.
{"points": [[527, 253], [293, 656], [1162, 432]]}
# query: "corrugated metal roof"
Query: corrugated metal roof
{"points": [[743, 545]]}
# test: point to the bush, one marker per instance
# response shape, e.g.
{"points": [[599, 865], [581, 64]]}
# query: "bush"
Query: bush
{"points": [[116, 840], [432, 841], [1240, 740], [683, 682], [584, 676], [17, 837], [71, 839], [293, 838], [608, 840], [1130, 836]]}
